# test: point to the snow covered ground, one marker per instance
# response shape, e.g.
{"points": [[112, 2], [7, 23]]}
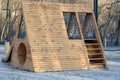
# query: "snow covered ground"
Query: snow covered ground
{"points": [[7, 72]]}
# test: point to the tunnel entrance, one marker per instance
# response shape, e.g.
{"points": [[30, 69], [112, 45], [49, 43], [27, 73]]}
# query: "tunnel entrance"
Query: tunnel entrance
{"points": [[22, 53]]}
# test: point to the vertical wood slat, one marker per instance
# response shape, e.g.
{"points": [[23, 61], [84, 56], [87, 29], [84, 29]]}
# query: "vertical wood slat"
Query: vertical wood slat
{"points": [[98, 37], [80, 29]]}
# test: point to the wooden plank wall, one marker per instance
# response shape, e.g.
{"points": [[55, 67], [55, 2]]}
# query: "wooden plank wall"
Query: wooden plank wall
{"points": [[15, 61], [50, 47], [47, 44]]}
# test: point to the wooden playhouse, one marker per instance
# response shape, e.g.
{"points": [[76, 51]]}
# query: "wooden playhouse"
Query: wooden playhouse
{"points": [[56, 37]]}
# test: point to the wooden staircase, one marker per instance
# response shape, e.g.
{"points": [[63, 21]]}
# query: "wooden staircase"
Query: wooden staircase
{"points": [[95, 53]]}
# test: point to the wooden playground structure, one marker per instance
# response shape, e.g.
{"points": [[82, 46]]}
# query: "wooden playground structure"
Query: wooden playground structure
{"points": [[56, 37]]}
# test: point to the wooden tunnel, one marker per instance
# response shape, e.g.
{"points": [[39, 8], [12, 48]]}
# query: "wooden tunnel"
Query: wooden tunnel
{"points": [[56, 37]]}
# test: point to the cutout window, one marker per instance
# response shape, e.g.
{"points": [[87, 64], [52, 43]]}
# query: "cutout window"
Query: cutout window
{"points": [[72, 27], [88, 28], [22, 33]]}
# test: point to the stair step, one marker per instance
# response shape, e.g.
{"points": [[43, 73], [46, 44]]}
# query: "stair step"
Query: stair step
{"points": [[97, 65], [96, 59], [90, 54], [90, 39], [94, 49], [95, 56], [92, 44]]}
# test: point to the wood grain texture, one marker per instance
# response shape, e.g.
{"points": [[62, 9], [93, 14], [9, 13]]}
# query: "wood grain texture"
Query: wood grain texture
{"points": [[47, 45]]}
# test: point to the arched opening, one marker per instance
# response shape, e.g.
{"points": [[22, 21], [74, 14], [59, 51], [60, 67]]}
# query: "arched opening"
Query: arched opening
{"points": [[22, 53]]}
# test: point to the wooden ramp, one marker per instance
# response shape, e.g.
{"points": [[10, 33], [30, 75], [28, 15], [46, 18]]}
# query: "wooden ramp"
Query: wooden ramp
{"points": [[8, 57], [50, 43]]}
